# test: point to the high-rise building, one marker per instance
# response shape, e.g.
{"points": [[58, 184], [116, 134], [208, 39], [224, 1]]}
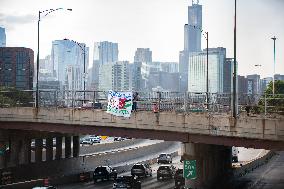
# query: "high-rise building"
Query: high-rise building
{"points": [[228, 75], [65, 53], [114, 76], [16, 67], [193, 28], [2, 37], [278, 77], [192, 42], [143, 55], [104, 52], [254, 84], [197, 70], [265, 82], [136, 76], [242, 85]]}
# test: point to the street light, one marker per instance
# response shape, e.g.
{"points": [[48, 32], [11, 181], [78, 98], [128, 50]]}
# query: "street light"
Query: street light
{"points": [[207, 77], [37, 62], [83, 48], [274, 39]]}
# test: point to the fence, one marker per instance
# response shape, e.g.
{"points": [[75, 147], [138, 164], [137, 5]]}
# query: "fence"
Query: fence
{"points": [[164, 101]]}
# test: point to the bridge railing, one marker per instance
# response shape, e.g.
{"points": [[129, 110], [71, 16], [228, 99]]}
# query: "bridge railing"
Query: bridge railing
{"points": [[163, 101]]}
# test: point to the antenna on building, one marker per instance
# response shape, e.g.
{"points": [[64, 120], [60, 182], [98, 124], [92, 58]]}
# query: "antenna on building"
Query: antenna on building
{"points": [[197, 2]]}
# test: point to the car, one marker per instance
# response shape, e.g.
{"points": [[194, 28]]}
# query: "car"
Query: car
{"points": [[164, 158], [165, 171], [104, 173], [179, 179], [130, 182], [87, 141], [95, 139], [235, 152], [44, 187], [141, 170], [118, 139]]}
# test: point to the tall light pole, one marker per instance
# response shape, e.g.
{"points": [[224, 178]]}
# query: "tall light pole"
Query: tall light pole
{"points": [[83, 48], [274, 39], [207, 74], [235, 105], [37, 61]]}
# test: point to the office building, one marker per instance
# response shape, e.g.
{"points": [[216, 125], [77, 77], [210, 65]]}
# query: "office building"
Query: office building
{"points": [[242, 85], [278, 77], [192, 30], [135, 76], [228, 75], [114, 76], [2, 37], [68, 54], [143, 55], [197, 70], [16, 67], [104, 52], [254, 84]]}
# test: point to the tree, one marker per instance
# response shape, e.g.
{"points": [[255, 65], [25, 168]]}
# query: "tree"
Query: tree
{"points": [[10, 97], [273, 103]]}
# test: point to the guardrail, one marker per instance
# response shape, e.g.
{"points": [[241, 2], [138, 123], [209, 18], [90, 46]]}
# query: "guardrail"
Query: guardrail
{"points": [[162, 101]]}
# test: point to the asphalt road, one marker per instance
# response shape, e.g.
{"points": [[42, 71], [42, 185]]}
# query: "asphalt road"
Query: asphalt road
{"points": [[146, 183]]}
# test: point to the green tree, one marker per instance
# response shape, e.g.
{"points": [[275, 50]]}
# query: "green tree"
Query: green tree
{"points": [[10, 97], [274, 103]]}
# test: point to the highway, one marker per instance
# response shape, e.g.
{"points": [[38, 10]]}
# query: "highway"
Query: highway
{"points": [[147, 183]]}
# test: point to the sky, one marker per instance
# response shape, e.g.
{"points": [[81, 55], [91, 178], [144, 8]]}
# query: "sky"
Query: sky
{"points": [[154, 24]]}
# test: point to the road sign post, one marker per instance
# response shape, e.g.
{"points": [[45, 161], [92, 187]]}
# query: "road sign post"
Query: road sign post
{"points": [[189, 169]]}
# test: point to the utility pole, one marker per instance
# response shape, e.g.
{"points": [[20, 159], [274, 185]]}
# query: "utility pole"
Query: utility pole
{"points": [[235, 106], [274, 39]]}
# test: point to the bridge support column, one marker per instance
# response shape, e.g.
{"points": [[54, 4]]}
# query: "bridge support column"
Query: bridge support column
{"points": [[25, 151], [212, 162], [58, 154], [67, 146], [38, 149], [49, 149], [76, 146]]}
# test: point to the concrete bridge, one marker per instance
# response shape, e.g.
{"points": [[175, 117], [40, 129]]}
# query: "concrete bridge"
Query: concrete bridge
{"points": [[207, 137]]}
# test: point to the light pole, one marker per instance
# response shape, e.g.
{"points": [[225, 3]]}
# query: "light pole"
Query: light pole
{"points": [[274, 39], [235, 106], [48, 11], [207, 76], [83, 48]]}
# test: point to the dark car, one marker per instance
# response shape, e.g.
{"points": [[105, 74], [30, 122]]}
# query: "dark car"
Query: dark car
{"points": [[44, 187], [179, 179], [164, 158], [104, 173], [165, 171], [126, 182], [141, 170]]}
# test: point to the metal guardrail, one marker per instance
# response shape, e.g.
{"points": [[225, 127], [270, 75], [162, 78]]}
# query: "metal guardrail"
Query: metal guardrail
{"points": [[163, 101]]}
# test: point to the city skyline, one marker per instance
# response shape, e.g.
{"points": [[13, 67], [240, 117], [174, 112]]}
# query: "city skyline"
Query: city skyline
{"points": [[157, 25]]}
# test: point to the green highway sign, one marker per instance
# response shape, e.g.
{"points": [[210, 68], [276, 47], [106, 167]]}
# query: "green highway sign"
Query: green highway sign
{"points": [[189, 169]]}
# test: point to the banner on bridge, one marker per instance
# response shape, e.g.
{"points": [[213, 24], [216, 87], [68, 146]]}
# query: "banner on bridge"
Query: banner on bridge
{"points": [[119, 103]]}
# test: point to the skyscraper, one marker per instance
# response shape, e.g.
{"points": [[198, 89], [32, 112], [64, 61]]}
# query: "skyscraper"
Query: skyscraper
{"points": [[143, 55], [193, 28], [104, 52], [2, 37], [65, 54], [197, 70], [192, 42], [16, 67]]}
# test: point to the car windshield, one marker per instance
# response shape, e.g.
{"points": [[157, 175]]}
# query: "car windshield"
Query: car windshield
{"points": [[100, 169], [164, 168], [123, 179], [162, 155], [138, 167]]}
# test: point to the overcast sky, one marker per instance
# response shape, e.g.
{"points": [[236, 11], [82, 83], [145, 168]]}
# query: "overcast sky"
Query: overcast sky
{"points": [[154, 24]]}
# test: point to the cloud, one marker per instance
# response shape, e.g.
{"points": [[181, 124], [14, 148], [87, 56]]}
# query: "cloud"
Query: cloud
{"points": [[10, 20]]}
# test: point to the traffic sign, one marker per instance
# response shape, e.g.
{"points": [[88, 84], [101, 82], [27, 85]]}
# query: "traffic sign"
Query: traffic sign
{"points": [[189, 169]]}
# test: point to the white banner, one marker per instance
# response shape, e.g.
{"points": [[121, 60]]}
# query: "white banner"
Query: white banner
{"points": [[119, 103]]}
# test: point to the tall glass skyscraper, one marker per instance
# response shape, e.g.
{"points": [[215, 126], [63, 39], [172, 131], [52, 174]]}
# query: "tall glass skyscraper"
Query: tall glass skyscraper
{"points": [[143, 55], [2, 37], [67, 57], [197, 70], [104, 52], [192, 29]]}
